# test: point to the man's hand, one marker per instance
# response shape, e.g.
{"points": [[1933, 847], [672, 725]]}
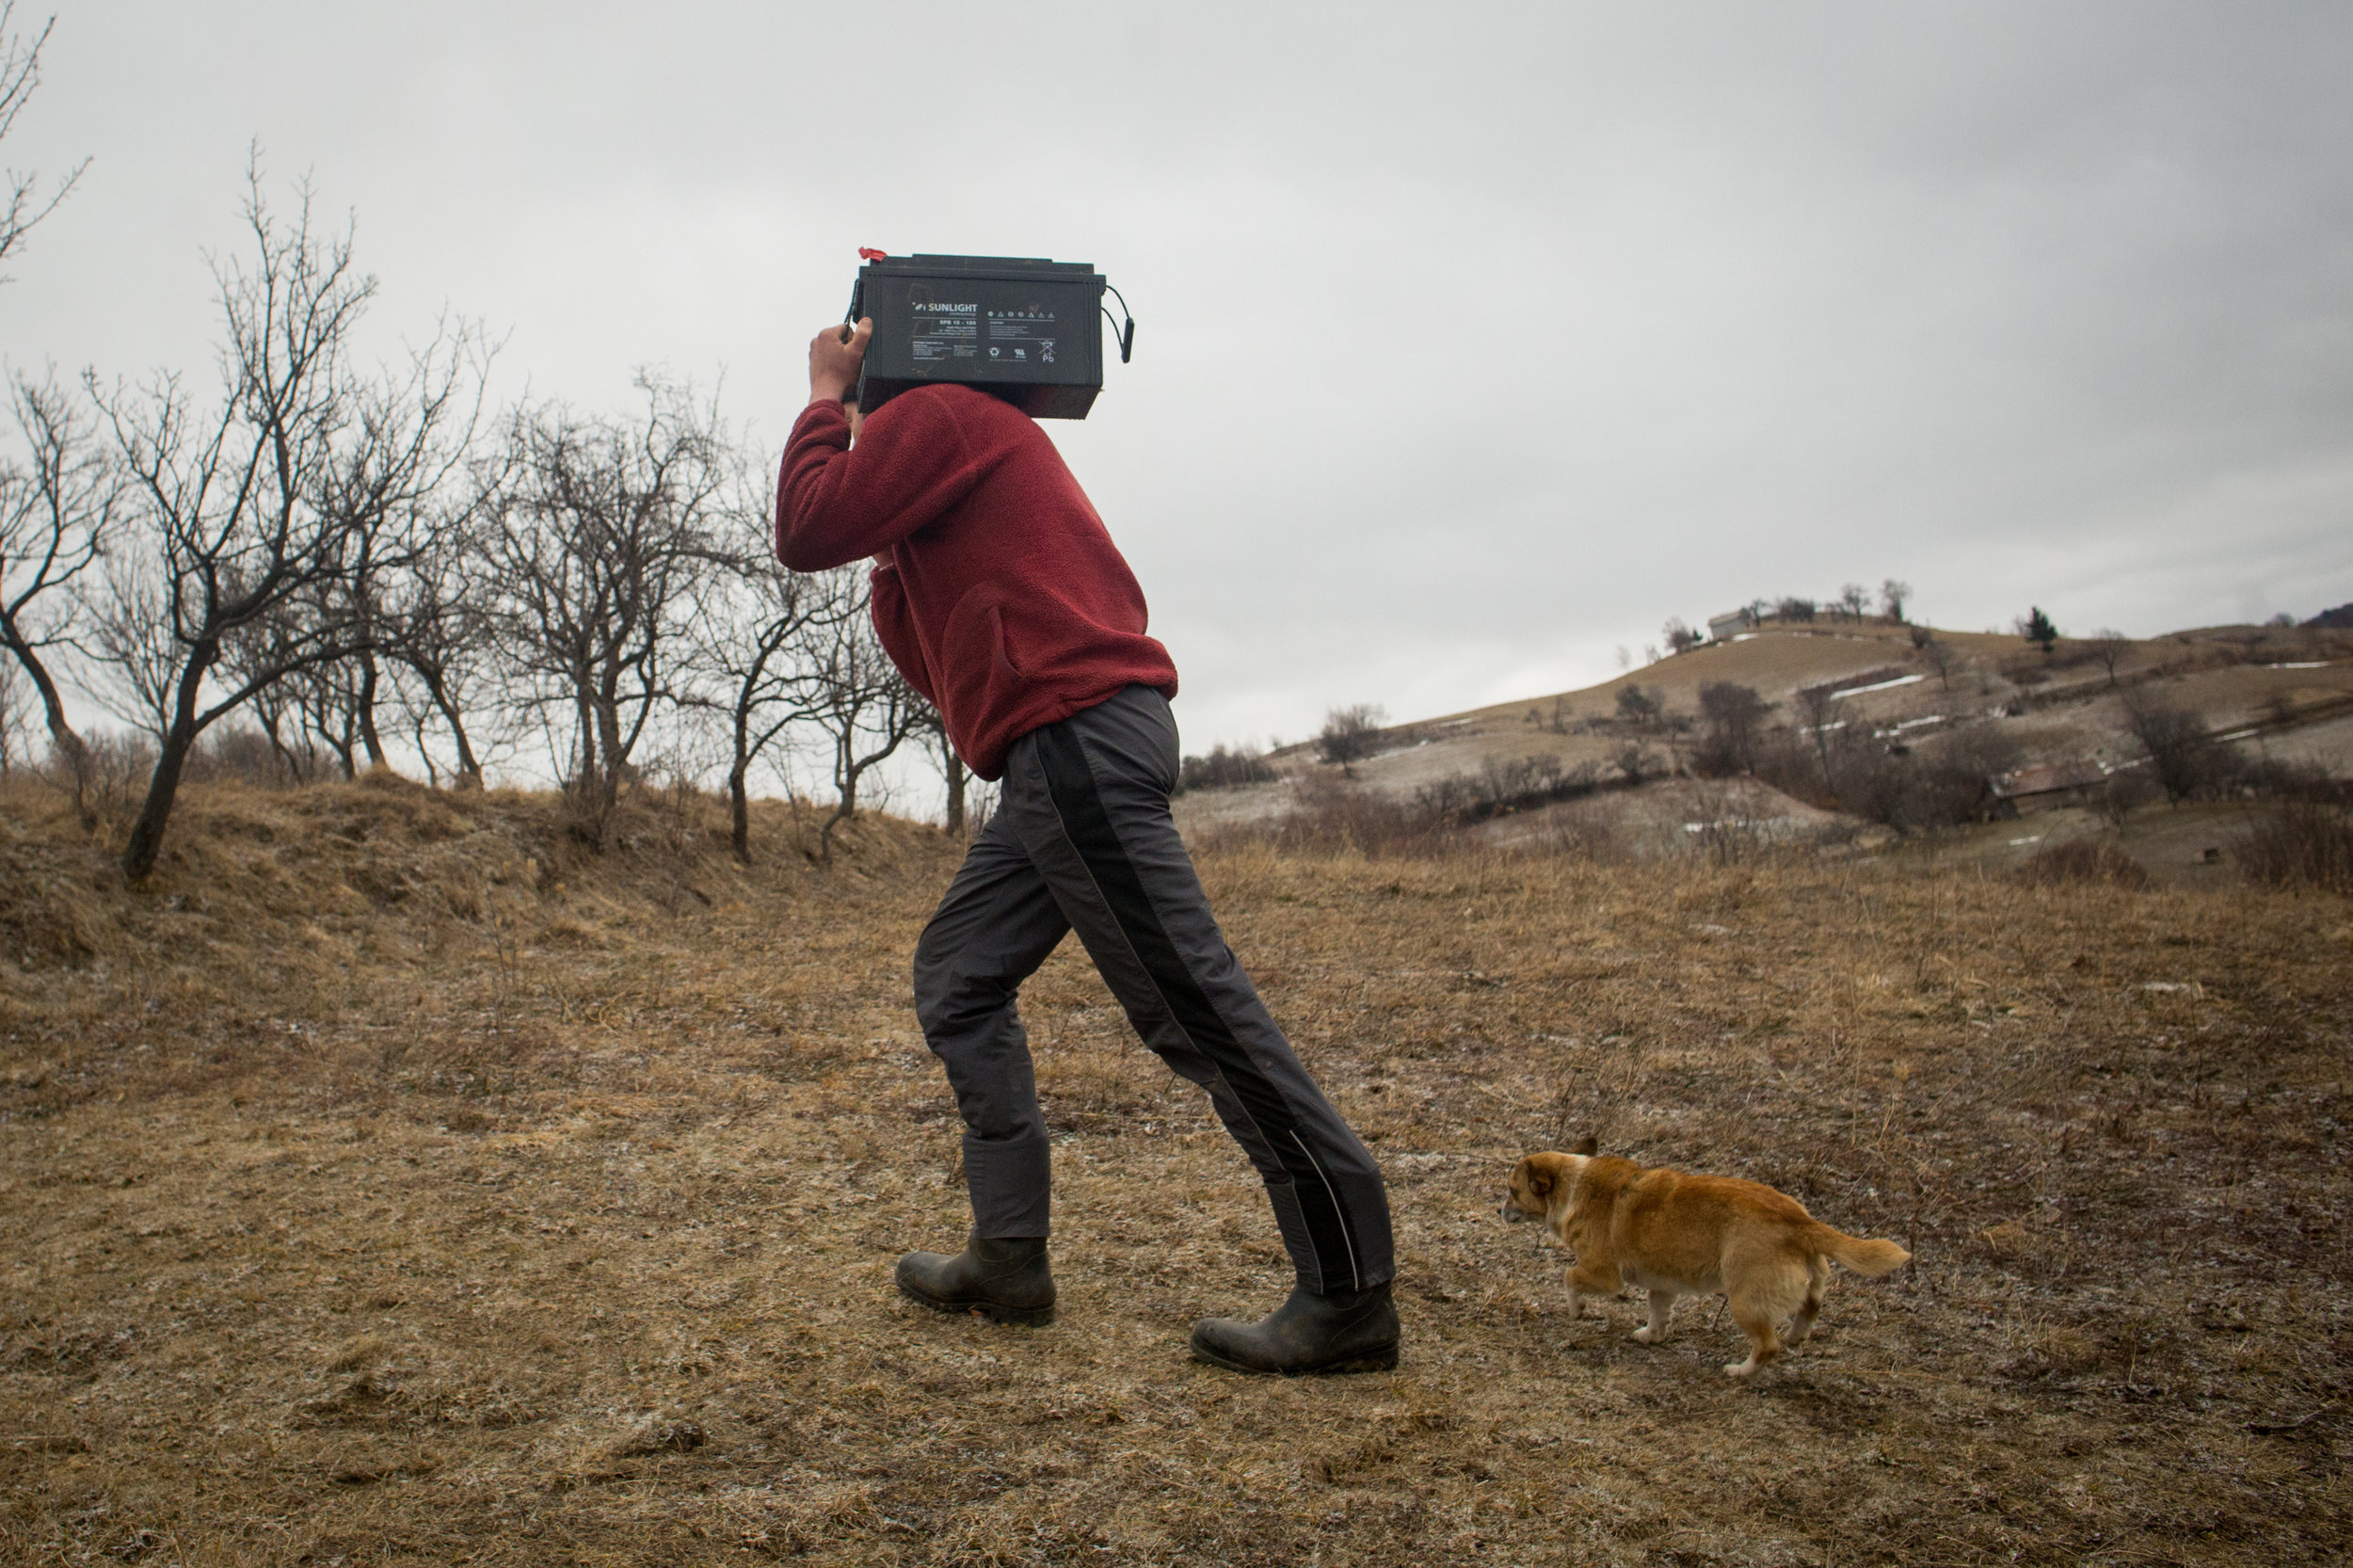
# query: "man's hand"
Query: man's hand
{"points": [[834, 358]]}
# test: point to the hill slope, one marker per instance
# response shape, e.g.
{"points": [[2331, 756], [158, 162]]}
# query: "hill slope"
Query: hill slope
{"points": [[2292, 686]]}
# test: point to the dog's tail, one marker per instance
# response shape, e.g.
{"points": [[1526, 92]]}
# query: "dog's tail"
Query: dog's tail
{"points": [[1872, 1257]]}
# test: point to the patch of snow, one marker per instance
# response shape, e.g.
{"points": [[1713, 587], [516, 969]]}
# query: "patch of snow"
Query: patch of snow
{"points": [[2031, 838], [1881, 686], [2312, 665]]}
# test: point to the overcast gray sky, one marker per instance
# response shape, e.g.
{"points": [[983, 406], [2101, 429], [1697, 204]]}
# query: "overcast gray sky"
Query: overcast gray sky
{"points": [[1474, 340]]}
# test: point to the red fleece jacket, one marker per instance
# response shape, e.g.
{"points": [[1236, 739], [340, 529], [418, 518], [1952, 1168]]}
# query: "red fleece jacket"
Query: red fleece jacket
{"points": [[1003, 600]]}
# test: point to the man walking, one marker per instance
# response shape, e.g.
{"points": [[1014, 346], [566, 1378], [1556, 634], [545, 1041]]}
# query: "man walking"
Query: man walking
{"points": [[1000, 597]]}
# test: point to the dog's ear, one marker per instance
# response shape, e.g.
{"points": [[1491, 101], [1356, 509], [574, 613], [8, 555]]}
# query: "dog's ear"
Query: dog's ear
{"points": [[1588, 1145], [1540, 1180]]}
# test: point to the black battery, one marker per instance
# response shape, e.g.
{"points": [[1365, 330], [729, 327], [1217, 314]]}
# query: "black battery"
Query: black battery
{"points": [[1026, 329]]}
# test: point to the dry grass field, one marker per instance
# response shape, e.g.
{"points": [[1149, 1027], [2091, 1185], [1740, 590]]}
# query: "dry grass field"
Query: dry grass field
{"points": [[390, 1182]]}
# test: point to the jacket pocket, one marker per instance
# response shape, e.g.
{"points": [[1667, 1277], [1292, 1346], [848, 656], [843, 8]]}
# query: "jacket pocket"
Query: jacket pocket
{"points": [[979, 676]]}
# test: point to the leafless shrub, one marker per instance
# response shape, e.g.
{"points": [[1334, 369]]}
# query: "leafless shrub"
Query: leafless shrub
{"points": [[1940, 656], [2305, 843], [1349, 735], [1640, 707], [1331, 817], [1225, 768], [2123, 793], [1501, 785], [1732, 726], [2187, 761], [2083, 860], [596, 548]]}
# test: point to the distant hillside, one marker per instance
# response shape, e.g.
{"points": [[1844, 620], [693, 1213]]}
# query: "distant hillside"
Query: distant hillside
{"points": [[2290, 686]]}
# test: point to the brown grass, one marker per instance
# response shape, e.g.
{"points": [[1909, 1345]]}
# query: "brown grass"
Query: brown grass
{"points": [[391, 1183], [2098, 860]]}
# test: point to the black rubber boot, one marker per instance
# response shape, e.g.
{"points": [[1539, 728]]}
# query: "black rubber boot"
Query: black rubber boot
{"points": [[1346, 1331], [1003, 1279]]}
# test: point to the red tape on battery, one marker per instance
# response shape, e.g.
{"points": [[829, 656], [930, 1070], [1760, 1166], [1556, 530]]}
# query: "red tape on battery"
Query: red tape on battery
{"points": [[867, 253]]}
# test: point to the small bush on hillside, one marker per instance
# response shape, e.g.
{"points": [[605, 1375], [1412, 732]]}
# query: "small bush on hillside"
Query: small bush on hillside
{"points": [[1331, 818], [2122, 793], [1940, 784], [1731, 728], [1349, 734], [2080, 860], [1640, 707], [1502, 786], [1223, 769], [2304, 842], [2187, 761]]}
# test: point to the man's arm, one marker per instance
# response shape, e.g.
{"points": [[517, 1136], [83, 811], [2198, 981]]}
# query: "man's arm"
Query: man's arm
{"points": [[836, 500]]}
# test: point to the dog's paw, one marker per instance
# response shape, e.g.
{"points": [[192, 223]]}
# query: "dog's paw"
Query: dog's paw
{"points": [[1740, 1369], [1648, 1335]]}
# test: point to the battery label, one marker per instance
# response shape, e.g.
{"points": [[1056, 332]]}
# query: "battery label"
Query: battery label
{"points": [[944, 331], [1022, 337]]}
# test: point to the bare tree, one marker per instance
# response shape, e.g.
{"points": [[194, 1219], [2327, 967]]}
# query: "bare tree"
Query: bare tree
{"points": [[1732, 719], [1894, 596], [394, 488], [439, 631], [595, 549], [858, 701], [2110, 646], [23, 205], [1640, 707], [1349, 735], [751, 630], [1815, 703], [132, 644], [245, 510], [2185, 760], [933, 725], [309, 707], [1855, 600], [56, 515], [1938, 654]]}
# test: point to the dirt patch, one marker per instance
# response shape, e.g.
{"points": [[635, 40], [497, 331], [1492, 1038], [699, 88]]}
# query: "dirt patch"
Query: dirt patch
{"points": [[562, 1230]]}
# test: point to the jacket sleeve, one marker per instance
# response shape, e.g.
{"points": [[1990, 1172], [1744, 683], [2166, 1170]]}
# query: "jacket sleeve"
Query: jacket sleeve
{"points": [[836, 502]]}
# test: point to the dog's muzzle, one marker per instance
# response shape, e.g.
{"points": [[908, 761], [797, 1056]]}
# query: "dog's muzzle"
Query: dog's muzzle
{"points": [[1513, 1212]]}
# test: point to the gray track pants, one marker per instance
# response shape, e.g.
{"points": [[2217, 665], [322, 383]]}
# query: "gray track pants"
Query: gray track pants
{"points": [[1081, 840]]}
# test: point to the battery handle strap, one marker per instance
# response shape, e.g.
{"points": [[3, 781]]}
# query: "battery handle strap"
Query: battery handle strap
{"points": [[1127, 335]]}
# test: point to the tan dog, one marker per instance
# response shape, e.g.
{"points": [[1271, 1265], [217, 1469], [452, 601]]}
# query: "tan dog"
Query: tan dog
{"points": [[1679, 1235]]}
